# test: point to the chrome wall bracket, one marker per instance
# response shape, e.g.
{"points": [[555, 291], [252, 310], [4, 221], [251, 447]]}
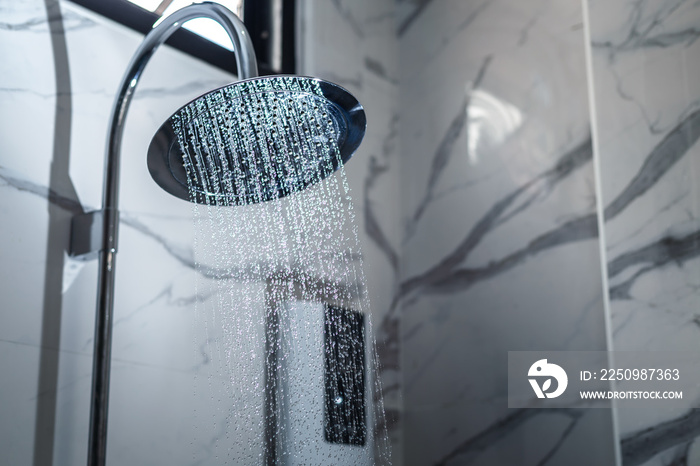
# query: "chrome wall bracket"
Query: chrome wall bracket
{"points": [[86, 235]]}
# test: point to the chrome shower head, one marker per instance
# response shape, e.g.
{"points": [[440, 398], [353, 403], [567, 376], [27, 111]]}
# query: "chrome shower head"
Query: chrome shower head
{"points": [[256, 140]]}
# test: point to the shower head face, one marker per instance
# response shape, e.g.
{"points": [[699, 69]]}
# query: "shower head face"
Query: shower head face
{"points": [[256, 140]]}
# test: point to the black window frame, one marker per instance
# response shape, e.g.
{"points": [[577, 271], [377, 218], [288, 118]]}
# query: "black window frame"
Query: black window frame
{"points": [[256, 18]]}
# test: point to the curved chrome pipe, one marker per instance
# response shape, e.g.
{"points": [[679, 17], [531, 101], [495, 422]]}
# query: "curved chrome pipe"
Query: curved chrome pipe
{"points": [[247, 68]]}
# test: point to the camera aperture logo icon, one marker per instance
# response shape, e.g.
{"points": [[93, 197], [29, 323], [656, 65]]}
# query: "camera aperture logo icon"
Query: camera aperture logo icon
{"points": [[543, 371]]}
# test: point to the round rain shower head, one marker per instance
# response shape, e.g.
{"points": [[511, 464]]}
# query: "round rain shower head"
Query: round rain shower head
{"points": [[256, 140]]}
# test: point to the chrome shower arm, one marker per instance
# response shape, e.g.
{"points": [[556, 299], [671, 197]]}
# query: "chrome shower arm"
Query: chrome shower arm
{"points": [[245, 61], [105, 223]]}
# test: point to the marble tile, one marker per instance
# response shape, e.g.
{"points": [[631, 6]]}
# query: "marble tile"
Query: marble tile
{"points": [[500, 245], [644, 62]]}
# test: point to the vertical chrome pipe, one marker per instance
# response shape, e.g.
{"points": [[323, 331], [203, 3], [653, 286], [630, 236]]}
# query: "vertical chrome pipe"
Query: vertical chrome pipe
{"points": [[247, 68]]}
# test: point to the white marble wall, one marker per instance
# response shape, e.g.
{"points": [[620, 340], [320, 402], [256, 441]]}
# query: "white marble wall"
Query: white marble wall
{"points": [[646, 69], [60, 69], [500, 243]]}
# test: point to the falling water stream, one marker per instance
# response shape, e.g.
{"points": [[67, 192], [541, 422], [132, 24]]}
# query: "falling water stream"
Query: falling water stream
{"points": [[283, 297]]}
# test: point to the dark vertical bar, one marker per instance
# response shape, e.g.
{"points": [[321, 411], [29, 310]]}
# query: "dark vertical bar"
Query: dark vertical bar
{"points": [[289, 49], [99, 403], [344, 350], [271, 383], [258, 21]]}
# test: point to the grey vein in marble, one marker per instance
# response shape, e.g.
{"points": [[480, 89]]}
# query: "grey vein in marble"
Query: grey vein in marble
{"points": [[68, 21], [625, 322], [167, 294], [388, 342], [640, 447], [651, 220], [573, 421], [348, 18], [184, 255], [667, 250], [579, 229], [451, 190], [525, 32], [34, 92], [467, 451], [53, 197], [652, 29], [377, 68], [649, 30], [443, 154], [444, 276], [372, 227], [685, 36], [664, 156], [25, 25], [464, 25], [417, 10]]}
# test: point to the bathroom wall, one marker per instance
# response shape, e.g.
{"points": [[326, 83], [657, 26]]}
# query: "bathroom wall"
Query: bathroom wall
{"points": [[475, 201], [500, 248], [60, 69], [645, 65]]}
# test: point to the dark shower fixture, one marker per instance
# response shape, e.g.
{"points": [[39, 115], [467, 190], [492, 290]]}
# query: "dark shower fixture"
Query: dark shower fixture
{"points": [[96, 232], [344, 342]]}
